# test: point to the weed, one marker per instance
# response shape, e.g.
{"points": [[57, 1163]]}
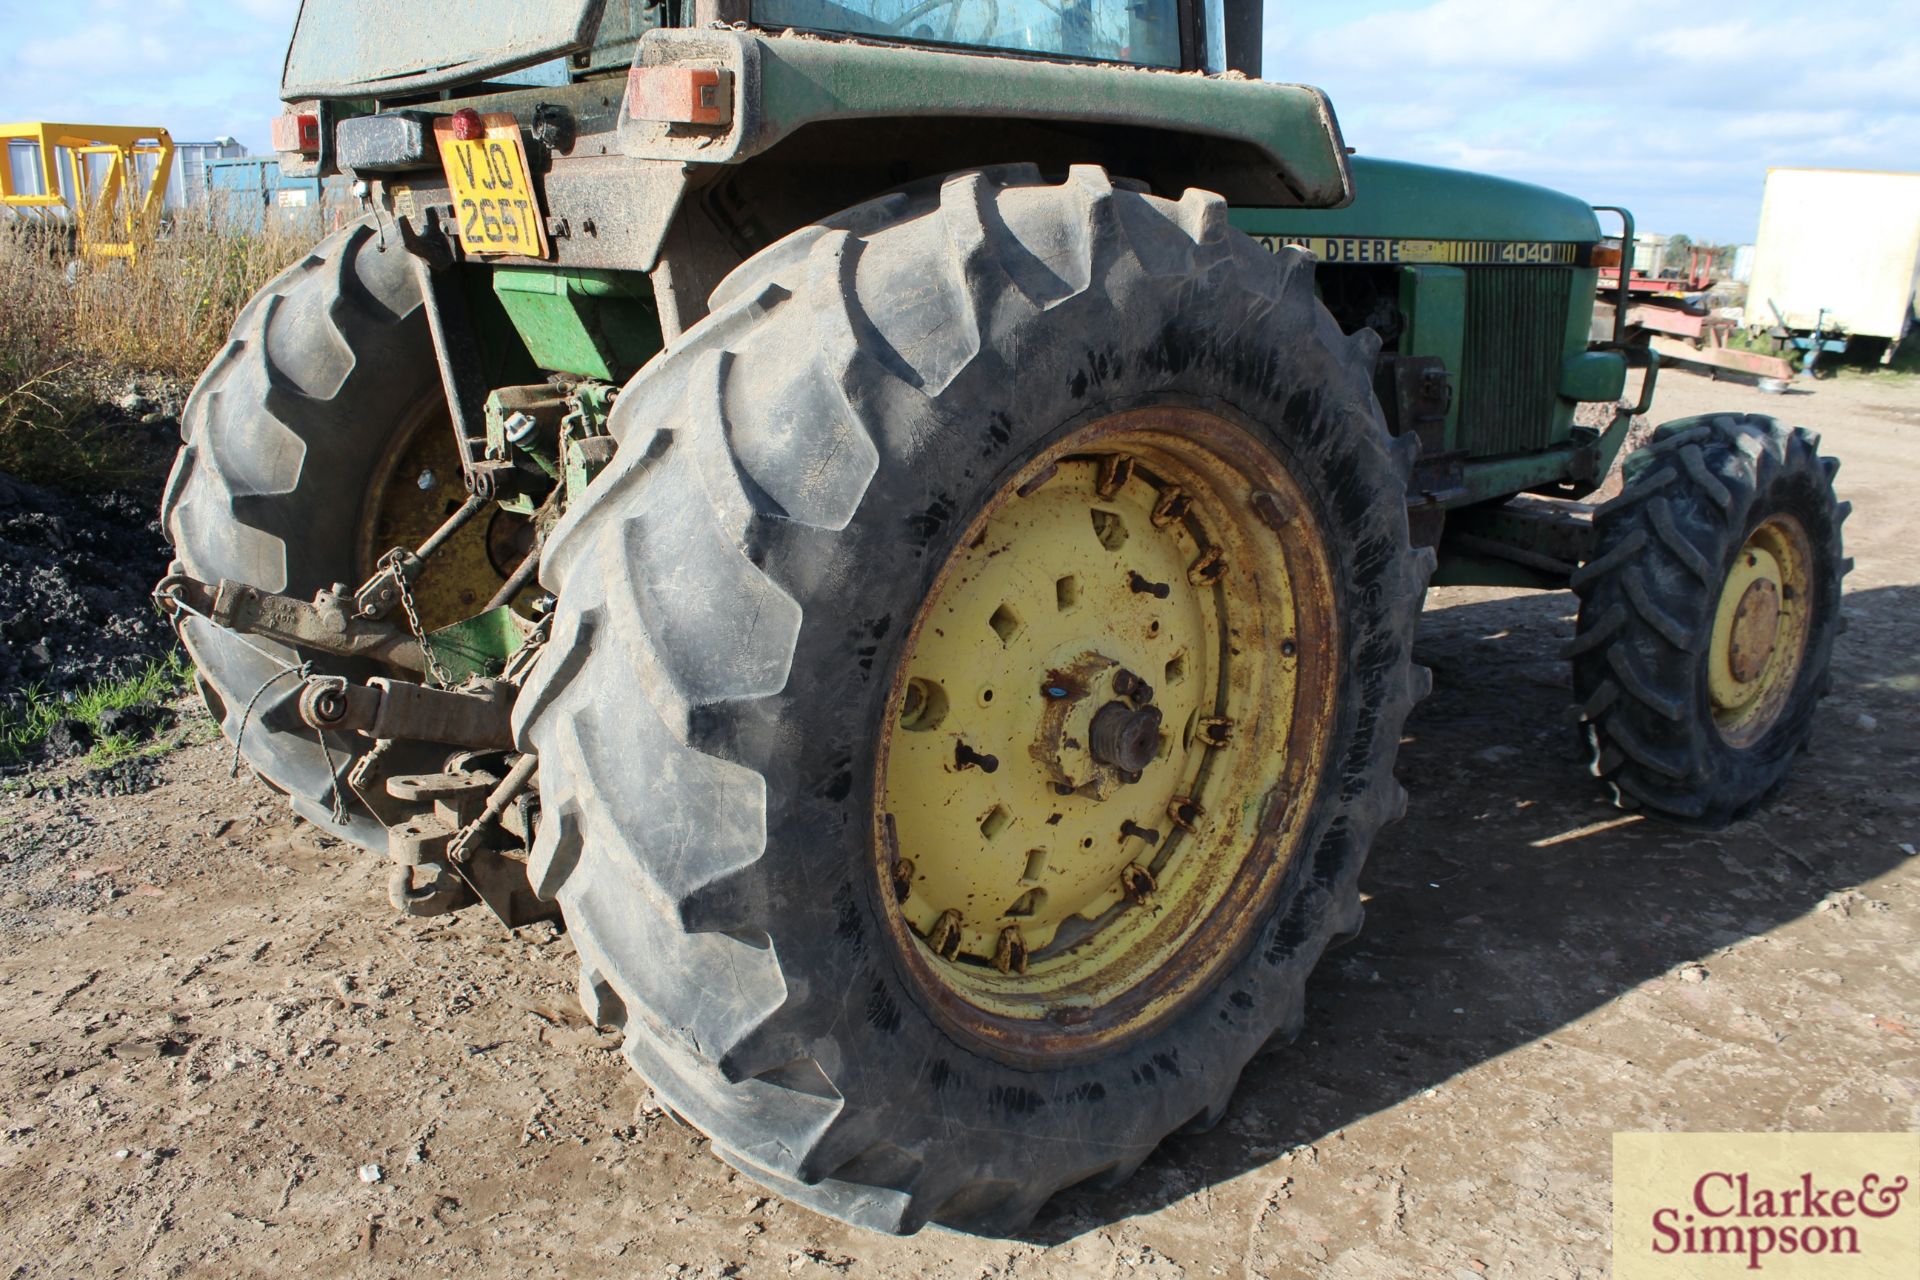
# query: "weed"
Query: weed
{"points": [[26, 720]]}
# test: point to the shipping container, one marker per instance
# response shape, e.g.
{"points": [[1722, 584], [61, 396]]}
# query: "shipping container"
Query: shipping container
{"points": [[187, 181], [1842, 241], [250, 190]]}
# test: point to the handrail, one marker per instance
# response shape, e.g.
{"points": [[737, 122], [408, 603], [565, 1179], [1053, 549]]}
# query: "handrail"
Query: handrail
{"points": [[1626, 270]]}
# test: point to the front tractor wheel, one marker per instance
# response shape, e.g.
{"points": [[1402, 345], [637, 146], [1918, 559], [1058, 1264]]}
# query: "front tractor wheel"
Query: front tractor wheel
{"points": [[973, 690], [1708, 616]]}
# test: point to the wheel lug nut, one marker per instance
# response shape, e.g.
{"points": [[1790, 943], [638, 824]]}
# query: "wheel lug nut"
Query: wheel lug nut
{"points": [[944, 937], [1132, 687], [1137, 883], [1010, 955]]}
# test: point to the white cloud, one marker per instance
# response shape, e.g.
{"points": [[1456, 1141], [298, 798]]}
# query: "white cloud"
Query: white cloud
{"points": [[198, 68], [1476, 35]]}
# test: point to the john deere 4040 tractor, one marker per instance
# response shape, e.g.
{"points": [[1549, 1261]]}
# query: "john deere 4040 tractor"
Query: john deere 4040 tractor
{"points": [[904, 522]]}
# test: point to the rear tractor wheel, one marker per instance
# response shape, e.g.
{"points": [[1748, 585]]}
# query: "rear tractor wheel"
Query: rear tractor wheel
{"points": [[973, 690], [317, 440], [1708, 616]]}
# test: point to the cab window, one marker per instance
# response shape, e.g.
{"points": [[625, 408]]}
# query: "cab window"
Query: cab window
{"points": [[1143, 32]]}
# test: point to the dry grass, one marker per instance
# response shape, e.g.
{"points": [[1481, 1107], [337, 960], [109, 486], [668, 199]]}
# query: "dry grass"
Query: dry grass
{"points": [[170, 310], [73, 332]]}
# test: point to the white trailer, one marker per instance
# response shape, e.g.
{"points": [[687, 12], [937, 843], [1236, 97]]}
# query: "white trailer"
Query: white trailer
{"points": [[1842, 241]]}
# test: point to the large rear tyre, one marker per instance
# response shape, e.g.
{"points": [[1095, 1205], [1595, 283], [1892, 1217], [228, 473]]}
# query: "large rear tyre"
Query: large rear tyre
{"points": [[1708, 615], [291, 470], [973, 691]]}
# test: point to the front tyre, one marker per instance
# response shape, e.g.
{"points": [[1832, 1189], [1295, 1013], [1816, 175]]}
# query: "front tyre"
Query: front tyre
{"points": [[973, 691], [1708, 616]]}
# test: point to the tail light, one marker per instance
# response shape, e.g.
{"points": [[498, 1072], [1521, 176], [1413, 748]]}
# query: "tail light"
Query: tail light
{"points": [[680, 94], [296, 131], [468, 126]]}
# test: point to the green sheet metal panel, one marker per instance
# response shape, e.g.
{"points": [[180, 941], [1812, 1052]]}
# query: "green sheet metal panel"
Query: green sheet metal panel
{"points": [[1593, 375], [599, 324], [1278, 139], [1434, 302], [1395, 200], [480, 645]]}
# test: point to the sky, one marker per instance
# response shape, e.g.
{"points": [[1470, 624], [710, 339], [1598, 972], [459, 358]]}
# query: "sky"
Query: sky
{"points": [[1676, 110]]}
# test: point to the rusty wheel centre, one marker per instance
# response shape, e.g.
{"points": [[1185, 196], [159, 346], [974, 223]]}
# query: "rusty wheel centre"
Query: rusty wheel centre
{"points": [[1104, 731], [1760, 630]]}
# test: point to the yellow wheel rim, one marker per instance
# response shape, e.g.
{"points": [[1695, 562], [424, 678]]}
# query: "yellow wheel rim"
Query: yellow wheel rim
{"points": [[1760, 627], [415, 488], [1105, 732]]}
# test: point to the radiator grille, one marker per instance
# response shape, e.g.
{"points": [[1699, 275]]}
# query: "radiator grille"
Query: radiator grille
{"points": [[1516, 325]]}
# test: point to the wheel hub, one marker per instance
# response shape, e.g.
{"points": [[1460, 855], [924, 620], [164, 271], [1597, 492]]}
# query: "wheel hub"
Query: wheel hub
{"points": [[415, 489], [1760, 629], [1061, 804], [1755, 621]]}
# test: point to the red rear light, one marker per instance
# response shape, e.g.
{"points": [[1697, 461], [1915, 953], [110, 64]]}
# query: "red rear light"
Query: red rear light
{"points": [[297, 131], [680, 94], [467, 125]]}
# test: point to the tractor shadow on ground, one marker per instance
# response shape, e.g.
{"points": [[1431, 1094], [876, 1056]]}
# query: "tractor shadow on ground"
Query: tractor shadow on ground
{"points": [[1514, 900]]}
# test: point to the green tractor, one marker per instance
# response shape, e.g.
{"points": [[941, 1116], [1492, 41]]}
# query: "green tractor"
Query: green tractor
{"points": [[904, 522]]}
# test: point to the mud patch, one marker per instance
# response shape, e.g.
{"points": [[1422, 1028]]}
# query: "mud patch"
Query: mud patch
{"points": [[75, 571]]}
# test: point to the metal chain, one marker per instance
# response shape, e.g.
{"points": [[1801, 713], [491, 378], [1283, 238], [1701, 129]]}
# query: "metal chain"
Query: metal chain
{"points": [[436, 674]]}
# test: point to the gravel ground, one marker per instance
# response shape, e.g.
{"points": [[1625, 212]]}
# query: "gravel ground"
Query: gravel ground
{"points": [[224, 1055]]}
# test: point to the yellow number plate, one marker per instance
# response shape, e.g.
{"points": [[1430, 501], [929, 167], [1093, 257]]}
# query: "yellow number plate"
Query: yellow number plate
{"points": [[493, 198]]}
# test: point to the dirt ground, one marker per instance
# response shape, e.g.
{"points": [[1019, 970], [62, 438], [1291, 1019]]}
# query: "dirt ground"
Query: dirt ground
{"points": [[223, 1054]]}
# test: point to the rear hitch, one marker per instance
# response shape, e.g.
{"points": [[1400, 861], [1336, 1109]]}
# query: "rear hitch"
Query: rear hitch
{"points": [[466, 840], [332, 623]]}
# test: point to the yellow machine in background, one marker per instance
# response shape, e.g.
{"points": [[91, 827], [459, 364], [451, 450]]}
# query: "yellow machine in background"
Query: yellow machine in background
{"points": [[109, 209]]}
